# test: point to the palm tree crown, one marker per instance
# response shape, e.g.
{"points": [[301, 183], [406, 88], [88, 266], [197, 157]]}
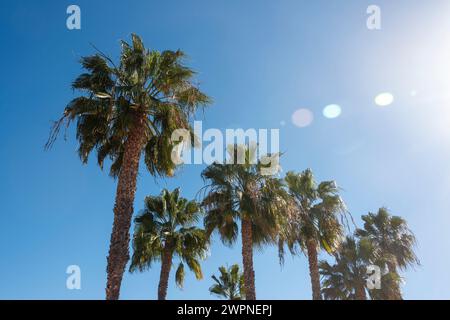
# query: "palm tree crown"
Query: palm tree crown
{"points": [[230, 284], [394, 245], [346, 279], [321, 214], [147, 85], [391, 236], [241, 192], [321, 210], [237, 191], [164, 229]]}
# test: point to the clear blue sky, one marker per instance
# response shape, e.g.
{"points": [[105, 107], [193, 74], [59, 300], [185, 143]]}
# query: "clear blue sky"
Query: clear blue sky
{"points": [[260, 61]]}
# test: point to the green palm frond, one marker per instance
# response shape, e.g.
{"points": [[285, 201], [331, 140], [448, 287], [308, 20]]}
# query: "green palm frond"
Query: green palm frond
{"points": [[145, 84], [341, 280], [238, 190], [179, 275], [394, 245], [194, 266], [230, 284], [391, 236], [167, 223], [320, 214]]}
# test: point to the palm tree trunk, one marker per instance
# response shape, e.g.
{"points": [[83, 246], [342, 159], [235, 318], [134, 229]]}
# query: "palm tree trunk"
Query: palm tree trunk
{"points": [[311, 247], [360, 292], [123, 210], [166, 264], [247, 256]]}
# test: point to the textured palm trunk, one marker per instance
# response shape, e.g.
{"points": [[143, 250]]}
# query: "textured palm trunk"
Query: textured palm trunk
{"points": [[166, 264], [311, 247], [360, 292], [247, 256], [123, 210], [394, 293]]}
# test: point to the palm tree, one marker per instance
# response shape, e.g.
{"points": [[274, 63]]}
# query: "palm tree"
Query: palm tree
{"points": [[241, 191], [230, 284], [164, 229], [318, 224], [394, 244], [126, 110], [347, 278]]}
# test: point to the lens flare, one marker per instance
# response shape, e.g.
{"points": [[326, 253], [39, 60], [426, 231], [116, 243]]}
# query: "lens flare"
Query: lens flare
{"points": [[332, 111], [384, 99], [302, 118]]}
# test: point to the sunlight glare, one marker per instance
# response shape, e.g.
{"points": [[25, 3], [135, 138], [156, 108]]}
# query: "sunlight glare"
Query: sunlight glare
{"points": [[332, 111], [384, 99]]}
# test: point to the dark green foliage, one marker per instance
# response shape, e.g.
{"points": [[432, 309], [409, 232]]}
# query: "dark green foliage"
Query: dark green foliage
{"points": [[237, 190], [321, 214], [341, 280], [169, 220], [390, 235], [145, 83], [230, 284]]}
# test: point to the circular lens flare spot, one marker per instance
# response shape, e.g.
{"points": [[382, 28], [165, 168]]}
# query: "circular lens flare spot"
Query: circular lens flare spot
{"points": [[302, 118], [384, 99], [332, 111]]}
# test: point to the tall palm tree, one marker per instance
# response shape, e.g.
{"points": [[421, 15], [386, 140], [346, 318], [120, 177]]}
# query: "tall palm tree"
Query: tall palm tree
{"points": [[318, 224], [242, 192], [165, 229], [230, 284], [393, 241], [347, 278], [126, 110]]}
